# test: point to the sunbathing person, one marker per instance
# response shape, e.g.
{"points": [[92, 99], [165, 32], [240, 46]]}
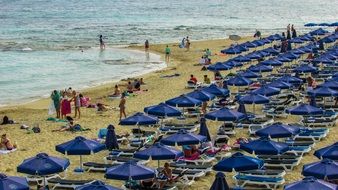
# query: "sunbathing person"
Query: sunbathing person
{"points": [[130, 87], [167, 174], [117, 92], [6, 121], [206, 79], [193, 79], [5, 143]]}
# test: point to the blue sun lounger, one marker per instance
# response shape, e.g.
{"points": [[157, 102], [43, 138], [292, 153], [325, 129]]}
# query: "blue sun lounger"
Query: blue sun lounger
{"points": [[268, 182]]}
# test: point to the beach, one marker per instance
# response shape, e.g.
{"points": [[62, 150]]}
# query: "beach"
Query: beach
{"points": [[158, 90]]}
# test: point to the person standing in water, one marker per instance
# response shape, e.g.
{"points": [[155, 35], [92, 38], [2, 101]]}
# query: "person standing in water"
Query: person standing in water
{"points": [[146, 45], [122, 106], [102, 45], [167, 54]]}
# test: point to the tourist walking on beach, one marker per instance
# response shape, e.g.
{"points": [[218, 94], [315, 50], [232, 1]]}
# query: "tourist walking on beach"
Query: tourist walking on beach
{"points": [[294, 32], [146, 45], [122, 106], [102, 45], [187, 44], [167, 54], [56, 97], [77, 103], [288, 33]]}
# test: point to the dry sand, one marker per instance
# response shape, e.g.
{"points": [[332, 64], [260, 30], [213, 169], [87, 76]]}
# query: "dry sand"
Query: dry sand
{"points": [[159, 90]]}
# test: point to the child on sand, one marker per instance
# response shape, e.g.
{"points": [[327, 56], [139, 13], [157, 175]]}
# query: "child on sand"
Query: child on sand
{"points": [[122, 106]]}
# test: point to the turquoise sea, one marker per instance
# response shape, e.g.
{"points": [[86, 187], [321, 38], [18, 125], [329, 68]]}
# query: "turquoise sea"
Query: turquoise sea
{"points": [[41, 41]]}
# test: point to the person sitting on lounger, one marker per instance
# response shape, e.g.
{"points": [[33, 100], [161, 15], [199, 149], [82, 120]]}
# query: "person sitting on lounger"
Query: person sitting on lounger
{"points": [[206, 79], [5, 143], [6, 121], [193, 79]]}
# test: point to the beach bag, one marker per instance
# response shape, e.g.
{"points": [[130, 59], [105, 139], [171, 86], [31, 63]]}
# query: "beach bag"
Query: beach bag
{"points": [[36, 129], [51, 108]]}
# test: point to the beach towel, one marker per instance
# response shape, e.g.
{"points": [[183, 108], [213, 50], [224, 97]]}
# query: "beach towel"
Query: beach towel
{"points": [[65, 107], [56, 119], [7, 151]]}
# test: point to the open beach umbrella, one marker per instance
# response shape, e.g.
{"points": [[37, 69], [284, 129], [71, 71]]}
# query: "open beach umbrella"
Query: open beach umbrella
{"points": [[318, 32], [250, 74], [297, 51], [328, 39], [263, 53], [306, 37], [323, 92], [184, 101], [254, 99], [241, 58], [331, 84], [182, 137], [272, 62], [13, 183], [304, 109], [323, 60], [201, 95], [334, 24], [80, 146], [325, 169], [233, 63], [96, 185], [111, 139], [258, 42], [163, 110], [238, 162], [158, 152], [290, 79], [204, 131], [130, 171], [139, 119], [290, 55], [254, 55], [267, 90], [225, 114], [215, 90], [311, 183], [305, 68], [283, 59], [239, 81], [324, 24], [42, 165], [219, 183], [249, 44], [330, 152], [232, 50], [310, 24], [278, 130], [219, 66], [271, 51], [259, 68], [296, 41], [280, 84], [274, 37], [242, 48], [264, 146]]}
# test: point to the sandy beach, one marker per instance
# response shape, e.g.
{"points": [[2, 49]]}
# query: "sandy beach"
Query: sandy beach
{"points": [[158, 90]]}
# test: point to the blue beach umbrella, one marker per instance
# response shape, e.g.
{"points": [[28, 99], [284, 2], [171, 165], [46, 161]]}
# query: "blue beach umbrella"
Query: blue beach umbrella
{"points": [[310, 183], [130, 171], [232, 50], [139, 119], [275, 37], [318, 32], [283, 59], [263, 53], [324, 24], [184, 101], [241, 58], [250, 74], [334, 24], [305, 68], [220, 183], [313, 101], [111, 139], [182, 137], [278, 130], [259, 68], [322, 59], [158, 151], [253, 98], [310, 24], [290, 79], [325, 169], [306, 37], [225, 114], [266, 40], [238, 162], [201, 95], [215, 90], [258, 42], [204, 131], [264, 146], [233, 63], [239, 81], [80, 146], [242, 48], [291, 55], [323, 92], [296, 41], [304, 109], [272, 62], [280, 84], [331, 84], [267, 90], [271, 50], [163, 110], [96, 185], [249, 44], [219, 66], [254, 55], [298, 51], [329, 152], [13, 183], [328, 39]]}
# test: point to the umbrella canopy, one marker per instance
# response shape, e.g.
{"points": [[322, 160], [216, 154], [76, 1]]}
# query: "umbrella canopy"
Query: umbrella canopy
{"points": [[275, 37], [182, 137], [306, 37], [233, 63], [264, 146], [158, 152], [306, 49], [258, 42], [42, 164], [267, 90], [325, 169], [322, 59], [163, 110], [261, 68], [219, 66], [239, 81], [249, 74], [215, 90], [238, 162], [96, 185], [334, 24], [249, 44], [204, 131], [254, 55], [111, 139], [280, 84], [310, 24], [328, 39], [184, 101], [323, 92], [304, 109], [291, 55], [11, 182], [310, 183], [283, 59], [323, 24], [241, 58], [319, 32], [330, 152], [220, 183], [290, 79], [271, 50], [80, 146], [305, 68], [298, 51], [232, 50], [296, 41], [139, 119], [225, 114], [201, 95], [331, 84], [253, 98], [242, 48], [278, 130], [272, 62], [129, 171]]}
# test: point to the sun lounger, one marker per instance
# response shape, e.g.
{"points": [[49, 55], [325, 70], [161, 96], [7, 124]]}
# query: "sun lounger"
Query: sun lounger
{"points": [[120, 160], [67, 184], [174, 128], [256, 122], [226, 129], [300, 142], [268, 182], [97, 167], [193, 167], [299, 150], [39, 179], [202, 159], [264, 173], [286, 164]]}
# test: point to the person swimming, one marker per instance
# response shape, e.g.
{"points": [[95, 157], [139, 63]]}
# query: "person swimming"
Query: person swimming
{"points": [[102, 45]]}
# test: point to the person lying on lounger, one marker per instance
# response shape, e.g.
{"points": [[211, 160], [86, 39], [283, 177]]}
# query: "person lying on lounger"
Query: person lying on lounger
{"points": [[5, 143]]}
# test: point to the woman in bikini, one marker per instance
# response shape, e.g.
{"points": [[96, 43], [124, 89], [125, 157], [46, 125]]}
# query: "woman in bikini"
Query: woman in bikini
{"points": [[122, 106]]}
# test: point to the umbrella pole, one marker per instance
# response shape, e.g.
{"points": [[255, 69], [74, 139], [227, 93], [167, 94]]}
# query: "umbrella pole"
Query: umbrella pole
{"points": [[158, 163], [44, 182], [254, 108], [81, 162]]}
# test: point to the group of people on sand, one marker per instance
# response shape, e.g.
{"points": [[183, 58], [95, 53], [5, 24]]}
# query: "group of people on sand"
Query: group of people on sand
{"points": [[185, 43], [205, 59], [290, 32]]}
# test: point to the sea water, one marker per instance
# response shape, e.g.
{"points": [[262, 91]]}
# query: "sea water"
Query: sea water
{"points": [[53, 44]]}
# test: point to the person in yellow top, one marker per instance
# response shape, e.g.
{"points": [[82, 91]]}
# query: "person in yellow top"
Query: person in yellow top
{"points": [[167, 54], [206, 79]]}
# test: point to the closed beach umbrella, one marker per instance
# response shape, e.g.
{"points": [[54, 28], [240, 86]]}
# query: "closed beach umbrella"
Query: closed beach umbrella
{"points": [[267, 90], [272, 62], [184, 101], [219, 66], [201, 95], [264, 146], [215, 90], [111, 139], [13, 183], [280, 84], [80, 146], [96, 185], [204, 131], [305, 68], [241, 58], [304, 109], [330, 152], [182, 137], [250, 74], [158, 151], [323, 92], [238, 162], [260, 68], [278, 130], [163, 110], [139, 119], [225, 114], [331, 84], [239, 81], [310, 183], [325, 169], [241, 108], [220, 183], [130, 171]]}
